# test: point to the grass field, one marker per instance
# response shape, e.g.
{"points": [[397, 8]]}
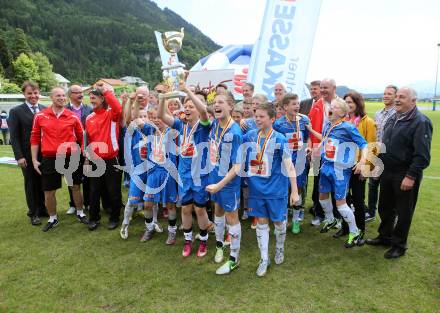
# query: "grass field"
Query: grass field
{"points": [[73, 270]]}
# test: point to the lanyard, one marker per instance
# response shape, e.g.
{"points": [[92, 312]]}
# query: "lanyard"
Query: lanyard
{"points": [[218, 139], [328, 133], [161, 137], [260, 153], [298, 131], [187, 139]]}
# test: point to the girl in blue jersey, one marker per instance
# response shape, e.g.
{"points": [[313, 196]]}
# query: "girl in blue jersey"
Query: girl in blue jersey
{"points": [[224, 142], [193, 173], [293, 126], [161, 184], [135, 154], [248, 124], [269, 171], [339, 142]]}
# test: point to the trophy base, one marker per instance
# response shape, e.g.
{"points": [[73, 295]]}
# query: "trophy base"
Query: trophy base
{"points": [[173, 94], [173, 66]]}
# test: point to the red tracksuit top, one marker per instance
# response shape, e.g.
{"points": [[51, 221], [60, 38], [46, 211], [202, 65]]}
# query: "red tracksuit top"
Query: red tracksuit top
{"points": [[316, 116], [102, 128], [50, 132]]}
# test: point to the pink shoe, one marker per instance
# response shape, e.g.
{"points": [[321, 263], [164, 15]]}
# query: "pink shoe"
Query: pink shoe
{"points": [[186, 252], [203, 249]]}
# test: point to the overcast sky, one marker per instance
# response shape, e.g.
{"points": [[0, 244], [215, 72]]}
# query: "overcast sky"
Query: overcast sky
{"points": [[362, 44]]}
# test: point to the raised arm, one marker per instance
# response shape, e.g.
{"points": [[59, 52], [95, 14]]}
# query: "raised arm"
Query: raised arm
{"points": [[163, 114], [200, 106]]}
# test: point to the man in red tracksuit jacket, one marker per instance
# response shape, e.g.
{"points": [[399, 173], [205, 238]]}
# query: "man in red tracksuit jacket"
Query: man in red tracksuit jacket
{"points": [[58, 131], [102, 132], [318, 116]]}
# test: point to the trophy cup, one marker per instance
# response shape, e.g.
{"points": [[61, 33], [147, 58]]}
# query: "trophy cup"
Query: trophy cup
{"points": [[173, 73]]}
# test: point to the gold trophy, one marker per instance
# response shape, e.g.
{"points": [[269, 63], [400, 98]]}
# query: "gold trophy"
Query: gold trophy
{"points": [[174, 72]]}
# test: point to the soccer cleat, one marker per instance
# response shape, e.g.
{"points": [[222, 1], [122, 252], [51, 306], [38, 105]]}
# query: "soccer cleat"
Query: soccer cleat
{"points": [[301, 215], [158, 228], [254, 223], [186, 252], [124, 231], [353, 239], [279, 256], [329, 225], [83, 219], [227, 240], [296, 227], [228, 267], [316, 221], [219, 254], [262, 267], [203, 249], [148, 234], [245, 215], [171, 240], [50, 225], [71, 210]]}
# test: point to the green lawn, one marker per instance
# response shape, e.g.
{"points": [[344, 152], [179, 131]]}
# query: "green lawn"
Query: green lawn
{"points": [[73, 270]]}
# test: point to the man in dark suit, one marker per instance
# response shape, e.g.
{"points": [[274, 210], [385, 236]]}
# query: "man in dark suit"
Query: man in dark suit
{"points": [[81, 110], [315, 93], [20, 125]]}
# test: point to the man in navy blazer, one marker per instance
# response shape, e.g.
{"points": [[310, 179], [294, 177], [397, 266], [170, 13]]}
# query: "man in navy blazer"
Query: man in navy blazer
{"points": [[20, 126], [81, 110]]}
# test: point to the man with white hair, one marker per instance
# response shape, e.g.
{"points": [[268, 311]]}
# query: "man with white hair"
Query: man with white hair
{"points": [[407, 136], [318, 116]]}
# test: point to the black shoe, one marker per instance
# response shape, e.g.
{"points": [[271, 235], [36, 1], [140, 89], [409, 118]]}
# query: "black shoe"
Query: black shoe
{"points": [[340, 233], [112, 225], [50, 225], [394, 253], [378, 241], [93, 225], [83, 219], [35, 220]]}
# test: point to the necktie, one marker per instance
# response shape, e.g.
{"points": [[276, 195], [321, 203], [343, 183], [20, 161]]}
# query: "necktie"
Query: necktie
{"points": [[34, 109]]}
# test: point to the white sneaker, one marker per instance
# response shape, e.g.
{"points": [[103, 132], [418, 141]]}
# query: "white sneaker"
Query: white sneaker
{"points": [[158, 228], [71, 210], [262, 267], [316, 221], [279, 256], [124, 231], [219, 252]]}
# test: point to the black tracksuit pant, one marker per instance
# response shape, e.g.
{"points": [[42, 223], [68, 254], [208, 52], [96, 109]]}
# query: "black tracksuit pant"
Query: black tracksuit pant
{"points": [[110, 185]]}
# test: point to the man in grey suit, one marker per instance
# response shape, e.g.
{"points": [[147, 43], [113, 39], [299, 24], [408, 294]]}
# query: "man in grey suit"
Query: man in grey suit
{"points": [[81, 110], [20, 126]]}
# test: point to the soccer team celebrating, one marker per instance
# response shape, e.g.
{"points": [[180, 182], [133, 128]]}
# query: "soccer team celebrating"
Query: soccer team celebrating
{"points": [[253, 156]]}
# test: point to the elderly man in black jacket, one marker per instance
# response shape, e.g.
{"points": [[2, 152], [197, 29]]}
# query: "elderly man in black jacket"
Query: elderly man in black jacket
{"points": [[20, 125], [407, 137]]}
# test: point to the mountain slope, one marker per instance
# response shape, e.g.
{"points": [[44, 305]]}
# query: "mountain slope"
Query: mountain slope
{"points": [[87, 39]]}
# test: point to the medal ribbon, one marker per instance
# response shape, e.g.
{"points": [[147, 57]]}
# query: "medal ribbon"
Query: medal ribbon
{"points": [[187, 139], [260, 153], [328, 133]]}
